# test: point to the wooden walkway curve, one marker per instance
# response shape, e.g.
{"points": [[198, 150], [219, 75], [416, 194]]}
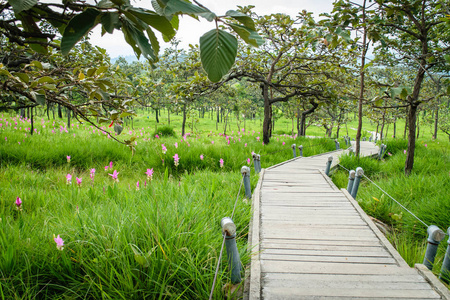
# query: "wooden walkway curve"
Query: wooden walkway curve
{"points": [[313, 241]]}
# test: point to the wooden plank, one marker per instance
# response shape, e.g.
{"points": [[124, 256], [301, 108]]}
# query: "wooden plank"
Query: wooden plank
{"points": [[324, 258], [268, 266], [374, 252], [299, 278], [317, 242], [295, 292], [301, 246]]}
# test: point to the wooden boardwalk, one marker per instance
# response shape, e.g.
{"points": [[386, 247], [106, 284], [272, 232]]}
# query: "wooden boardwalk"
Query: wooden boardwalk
{"points": [[313, 241]]}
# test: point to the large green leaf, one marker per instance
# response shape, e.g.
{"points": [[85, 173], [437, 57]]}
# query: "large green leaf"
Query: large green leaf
{"points": [[179, 6], [249, 36], [218, 51], [110, 21], [21, 5], [153, 40], [138, 41], [242, 18], [154, 20], [78, 27]]}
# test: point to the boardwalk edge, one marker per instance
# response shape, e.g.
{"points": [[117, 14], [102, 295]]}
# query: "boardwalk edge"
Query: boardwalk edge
{"points": [[437, 285]]}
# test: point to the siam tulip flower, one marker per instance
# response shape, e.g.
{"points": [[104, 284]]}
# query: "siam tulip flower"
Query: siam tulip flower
{"points": [[164, 149], [68, 158], [425, 145], [404, 151], [145, 184], [59, 242], [106, 168], [137, 186], [149, 174], [212, 142], [389, 153], [257, 138], [245, 145], [284, 143], [18, 203], [221, 162], [79, 181], [176, 159], [92, 174], [201, 156], [176, 145], [114, 176], [69, 178], [248, 161], [110, 164]]}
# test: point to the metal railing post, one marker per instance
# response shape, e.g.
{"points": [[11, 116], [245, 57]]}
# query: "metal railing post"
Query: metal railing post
{"points": [[294, 146], [328, 167], [258, 160], [255, 162], [359, 174], [435, 236], [234, 261], [245, 171], [351, 179], [300, 149], [337, 144], [445, 270]]}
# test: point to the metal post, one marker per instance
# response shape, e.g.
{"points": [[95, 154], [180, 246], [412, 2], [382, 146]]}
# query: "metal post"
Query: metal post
{"points": [[445, 270], [300, 149], [384, 151], [245, 171], [337, 144], [359, 174], [328, 167], [351, 179], [255, 162], [435, 236], [370, 138], [294, 146], [234, 261], [258, 160]]}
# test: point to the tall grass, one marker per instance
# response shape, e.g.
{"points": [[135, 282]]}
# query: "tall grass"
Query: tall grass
{"points": [[160, 241], [425, 192]]}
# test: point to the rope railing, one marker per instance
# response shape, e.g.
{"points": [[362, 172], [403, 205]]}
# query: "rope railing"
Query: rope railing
{"points": [[387, 194], [223, 241]]}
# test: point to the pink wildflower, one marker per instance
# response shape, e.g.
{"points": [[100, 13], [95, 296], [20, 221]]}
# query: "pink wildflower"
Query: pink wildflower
{"points": [[284, 143], [426, 145], [212, 142], [106, 168], [404, 151], [176, 159], [114, 176], [149, 173], [156, 136], [164, 149], [245, 145], [69, 178], [110, 164], [137, 186], [389, 153], [18, 203], [201, 156], [59, 242], [248, 161], [221, 162], [79, 181], [176, 145], [92, 174], [68, 158]]}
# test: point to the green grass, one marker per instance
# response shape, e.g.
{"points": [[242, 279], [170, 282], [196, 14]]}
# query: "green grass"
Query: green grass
{"points": [[159, 242], [425, 193]]}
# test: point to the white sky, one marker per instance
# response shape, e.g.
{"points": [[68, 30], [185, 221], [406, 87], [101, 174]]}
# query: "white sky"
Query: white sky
{"points": [[191, 29]]}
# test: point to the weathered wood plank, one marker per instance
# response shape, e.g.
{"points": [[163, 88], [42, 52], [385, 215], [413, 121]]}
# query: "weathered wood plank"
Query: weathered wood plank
{"points": [[374, 252], [331, 259]]}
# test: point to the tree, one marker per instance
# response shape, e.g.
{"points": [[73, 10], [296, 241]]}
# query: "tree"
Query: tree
{"points": [[415, 33]]}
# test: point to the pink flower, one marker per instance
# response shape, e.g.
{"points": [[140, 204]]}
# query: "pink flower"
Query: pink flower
{"points": [[245, 145], [79, 181], [69, 178], [149, 173], [212, 142], [176, 145], [284, 143], [404, 151], [425, 145], [164, 149], [68, 158], [201, 156], [106, 168], [176, 159], [257, 138], [156, 136], [248, 160], [18, 203], [389, 153], [110, 164], [92, 174], [59, 242], [114, 176], [137, 186], [221, 162]]}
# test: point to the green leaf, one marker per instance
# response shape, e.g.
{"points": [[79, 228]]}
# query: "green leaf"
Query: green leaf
{"points": [[153, 40], [101, 70], [77, 28], [118, 128], [46, 79], [249, 36], [242, 18], [110, 21], [138, 41], [158, 22], [179, 6], [37, 64], [39, 98], [23, 77], [21, 5], [447, 58], [218, 51]]}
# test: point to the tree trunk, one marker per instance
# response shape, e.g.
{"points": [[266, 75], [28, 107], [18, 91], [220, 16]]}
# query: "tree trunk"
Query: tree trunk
{"points": [[217, 120], [226, 123], [184, 120], [436, 119], [22, 113], [156, 114], [267, 121], [411, 139], [68, 119], [418, 125], [59, 111], [168, 116], [382, 126], [406, 124], [361, 88], [299, 132], [395, 128], [48, 111]]}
